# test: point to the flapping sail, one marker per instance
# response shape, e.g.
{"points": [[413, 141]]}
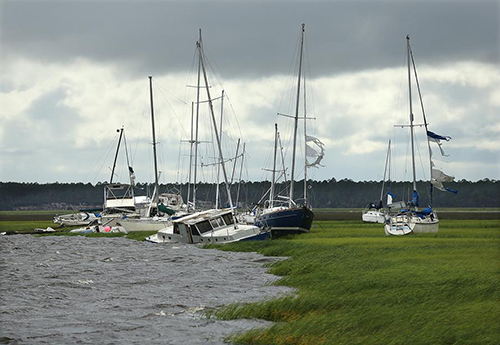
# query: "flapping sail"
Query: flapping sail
{"points": [[436, 138], [317, 152], [437, 176]]}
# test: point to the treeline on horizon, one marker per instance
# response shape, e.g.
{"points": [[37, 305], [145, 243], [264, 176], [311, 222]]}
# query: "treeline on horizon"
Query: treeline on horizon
{"points": [[321, 194]]}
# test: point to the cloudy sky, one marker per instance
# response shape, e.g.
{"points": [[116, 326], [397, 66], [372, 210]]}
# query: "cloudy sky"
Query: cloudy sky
{"points": [[72, 72]]}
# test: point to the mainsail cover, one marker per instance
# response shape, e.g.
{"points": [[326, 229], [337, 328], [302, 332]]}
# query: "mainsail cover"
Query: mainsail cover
{"points": [[317, 152]]}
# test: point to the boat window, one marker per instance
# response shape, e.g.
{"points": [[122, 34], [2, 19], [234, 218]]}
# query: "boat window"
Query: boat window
{"points": [[204, 226], [194, 231], [228, 218], [216, 222], [176, 228]]}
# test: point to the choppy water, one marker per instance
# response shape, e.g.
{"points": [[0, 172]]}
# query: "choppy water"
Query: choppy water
{"points": [[65, 290]]}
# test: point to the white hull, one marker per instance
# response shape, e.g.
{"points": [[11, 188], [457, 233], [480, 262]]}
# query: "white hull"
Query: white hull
{"points": [[81, 218], [374, 217], [226, 235], [405, 224], [211, 226], [144, 224]]}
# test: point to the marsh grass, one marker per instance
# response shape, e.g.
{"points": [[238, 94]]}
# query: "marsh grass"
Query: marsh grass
{"points": [[356, 286]]}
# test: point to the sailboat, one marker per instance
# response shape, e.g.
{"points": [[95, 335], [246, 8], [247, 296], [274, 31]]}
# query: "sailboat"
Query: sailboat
{"points": [[215, 225], [162, 207], [284, 216], [411, 219], [375, 213]]}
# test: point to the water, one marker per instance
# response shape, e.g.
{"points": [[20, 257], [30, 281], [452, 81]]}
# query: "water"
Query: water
{"points": [[66, 290]]}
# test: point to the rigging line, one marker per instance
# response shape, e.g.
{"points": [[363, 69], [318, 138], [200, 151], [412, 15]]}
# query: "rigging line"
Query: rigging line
{"points": [[144, 105], [309, 87], [100, 158], [178, 162], [170, 93], [171, 108]]}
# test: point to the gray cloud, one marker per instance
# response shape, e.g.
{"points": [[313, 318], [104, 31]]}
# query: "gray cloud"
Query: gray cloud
{"points": [[248, 38]]}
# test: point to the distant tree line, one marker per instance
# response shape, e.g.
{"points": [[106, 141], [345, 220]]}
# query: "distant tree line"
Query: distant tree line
{"points": [[321, 194]]}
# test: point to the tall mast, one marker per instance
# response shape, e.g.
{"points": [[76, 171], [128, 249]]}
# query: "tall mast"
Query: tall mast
{"points": [[116, 154], [155, 196], [411, 117], [305, 146], [198, 46], [296, 116], [425, 124], [190, 155], [273, 181], [214, 122], [218, 165]]}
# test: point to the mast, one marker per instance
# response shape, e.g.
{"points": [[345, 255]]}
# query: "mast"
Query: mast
{"points": [[273, 181], [241, 170], [155, 196], [198, 46], [411, 117], [218, 165], [305, 146], [214, 122], [296, 116], [116, 154], [431, 187], [190, 156], [130, 170], [385, 170]]}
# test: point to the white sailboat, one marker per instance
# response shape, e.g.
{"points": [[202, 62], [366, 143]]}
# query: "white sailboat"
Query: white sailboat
{"points": [[412, 219], [376, 213], [159, 213]]}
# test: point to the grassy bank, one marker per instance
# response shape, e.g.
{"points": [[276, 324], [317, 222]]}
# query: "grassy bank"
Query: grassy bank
{"points": [[356, 286]]}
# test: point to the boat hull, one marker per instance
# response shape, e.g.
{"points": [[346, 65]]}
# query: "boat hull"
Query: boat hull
{"points": [[286, 221], [374, 217], [405, 224]]}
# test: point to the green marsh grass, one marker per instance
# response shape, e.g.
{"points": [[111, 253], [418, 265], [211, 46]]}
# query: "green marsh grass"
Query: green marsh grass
{"points": [[357, 286]]}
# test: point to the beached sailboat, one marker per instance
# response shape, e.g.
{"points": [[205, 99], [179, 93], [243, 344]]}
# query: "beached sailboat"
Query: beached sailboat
{"points": [[158, 214], [214, 225], [284, 216], [412, 219]]}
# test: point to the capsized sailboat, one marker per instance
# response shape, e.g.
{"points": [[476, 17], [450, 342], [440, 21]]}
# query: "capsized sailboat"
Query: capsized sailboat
{"points": [[412, 219], [284, 216]]}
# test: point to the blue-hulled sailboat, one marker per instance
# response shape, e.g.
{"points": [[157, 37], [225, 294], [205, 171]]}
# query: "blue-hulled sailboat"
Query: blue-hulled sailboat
{"points": [[282, 215]]}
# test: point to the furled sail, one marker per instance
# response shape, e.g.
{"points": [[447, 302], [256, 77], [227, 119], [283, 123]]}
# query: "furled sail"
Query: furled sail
{"points": [[317, 152]]}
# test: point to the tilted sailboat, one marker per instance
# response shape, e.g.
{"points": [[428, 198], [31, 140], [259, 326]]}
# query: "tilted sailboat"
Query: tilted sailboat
{"points": [[284, 216], [412, 219], [215, 225]]}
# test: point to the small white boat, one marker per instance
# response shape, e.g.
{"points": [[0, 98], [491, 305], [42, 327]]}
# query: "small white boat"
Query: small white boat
{"points": [[80, 218], [211, 226], [374, 216]]}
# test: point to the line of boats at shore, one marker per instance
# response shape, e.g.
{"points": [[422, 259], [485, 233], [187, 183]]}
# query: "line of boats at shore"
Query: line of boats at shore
{"points": [[274, 215]]}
